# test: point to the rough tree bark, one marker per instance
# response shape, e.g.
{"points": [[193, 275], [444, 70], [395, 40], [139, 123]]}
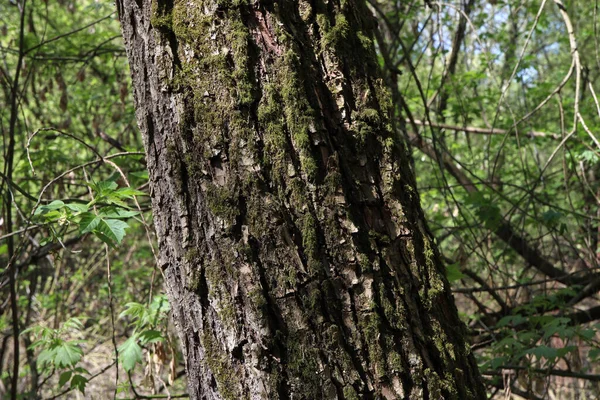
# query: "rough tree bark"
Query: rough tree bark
{"points": [[297, 259]]}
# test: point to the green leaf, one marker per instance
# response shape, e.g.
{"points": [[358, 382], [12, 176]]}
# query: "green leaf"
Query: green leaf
{"points": [[511, 319], [587, 333], [140, 175], [64, 378], [112, 212], [79, 382], [104, 187], [46, 356], [73, 323], [130, 353], [54, 205], [551, 218], [111, 231], [77, 207], [453, 273], [565, 350], [136, 310], [151, 336], [498, 362], [589, 156], [160, 304], [67, 355], [81, 370], [88, 222], [546, 352], [128, 192]]}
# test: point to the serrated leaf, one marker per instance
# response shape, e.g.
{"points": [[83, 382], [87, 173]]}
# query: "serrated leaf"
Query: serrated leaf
{"points": [[565, 350], [587, 333], [136, 310], [118, 213], [546, 352], [46, 356], [113, 229], [54, 205], [130, 353], [78, 207], [64, 378], [150, 336], [112, 199], [81, 370], [79, 382], [88, 222], [73, 323], [104, 187], [67, 355], [128, 192]]}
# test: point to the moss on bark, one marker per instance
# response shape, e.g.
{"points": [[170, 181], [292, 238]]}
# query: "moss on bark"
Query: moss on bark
{"points": [[293, 242]]}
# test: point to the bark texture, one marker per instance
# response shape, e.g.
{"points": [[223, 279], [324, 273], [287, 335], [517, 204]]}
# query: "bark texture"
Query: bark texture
{"points": [[297, 259]]}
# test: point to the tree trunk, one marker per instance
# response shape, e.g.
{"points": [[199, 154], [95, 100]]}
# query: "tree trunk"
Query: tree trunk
{"points": [[296, 256]]}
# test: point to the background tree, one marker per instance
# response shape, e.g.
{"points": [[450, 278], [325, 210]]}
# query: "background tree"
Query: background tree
{"points": [[295, 252]]}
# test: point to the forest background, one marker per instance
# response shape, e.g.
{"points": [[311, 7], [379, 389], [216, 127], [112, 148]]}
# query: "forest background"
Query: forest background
{"points": [[498, 99]]}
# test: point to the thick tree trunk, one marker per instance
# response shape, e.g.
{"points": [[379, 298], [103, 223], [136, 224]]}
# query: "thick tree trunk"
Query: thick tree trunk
{"points": [[296, 256]]}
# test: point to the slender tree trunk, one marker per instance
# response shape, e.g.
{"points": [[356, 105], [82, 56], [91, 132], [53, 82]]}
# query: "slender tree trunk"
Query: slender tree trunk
{"points": [[297, 259]]}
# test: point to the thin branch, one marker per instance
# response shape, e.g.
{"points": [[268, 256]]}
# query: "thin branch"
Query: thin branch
{"points": [[483, 131]]}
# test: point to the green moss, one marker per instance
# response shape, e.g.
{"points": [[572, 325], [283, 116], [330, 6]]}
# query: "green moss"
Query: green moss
{"points": [[434, 276], [312, 301], [257, 298], [395, 362], [336, 35], [371, 328], [189, 23], [298, 113], [303, 366], [380, 238], [310, 243], [222, 202], [161, 15], [438, 387], [365, 263], [370, 116], [217, 277], [270, 117], [239, 38], [393, 312], [366, 44], [441, 342], [222, 370], [350, 393]]}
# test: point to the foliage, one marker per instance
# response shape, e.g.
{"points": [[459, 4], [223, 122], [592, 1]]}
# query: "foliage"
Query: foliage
{"points": [[145, 320], [58, 353]]}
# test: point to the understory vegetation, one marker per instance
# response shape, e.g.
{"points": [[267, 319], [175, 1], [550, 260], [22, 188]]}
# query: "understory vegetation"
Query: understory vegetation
{"points": [[497, 101]]}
